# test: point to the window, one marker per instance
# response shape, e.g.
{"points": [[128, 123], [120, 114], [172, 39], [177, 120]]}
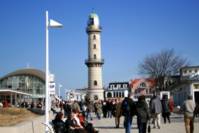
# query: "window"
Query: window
{"points": [[117, 94], [95, 56], [196, 86], [91, 21], [112, 86], [109, 95], [185, 71], [95, 83], [196, 70], [94, 46], [143, 85], [94, 37], [122, 94], [95, 97]]}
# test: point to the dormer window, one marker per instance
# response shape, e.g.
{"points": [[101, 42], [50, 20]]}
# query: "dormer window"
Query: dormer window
{"points": [[143, 85]]}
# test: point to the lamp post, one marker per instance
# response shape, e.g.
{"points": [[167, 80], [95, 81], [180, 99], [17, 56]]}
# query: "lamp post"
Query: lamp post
{"points": [[49, 24], [59, 90]]}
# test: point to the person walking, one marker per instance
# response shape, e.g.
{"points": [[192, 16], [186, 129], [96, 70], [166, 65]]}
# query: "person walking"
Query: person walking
{"points": [[89, 110], [118, 113], [98, 107], [104, 108], [128, 111], [156, 110], [109, 109], [171, 104], [188, 108], [196, 111], [165, 109], [142, 114]]}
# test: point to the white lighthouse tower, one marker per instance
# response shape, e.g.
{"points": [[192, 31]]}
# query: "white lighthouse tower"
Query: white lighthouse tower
{"points": [[94, 61]]}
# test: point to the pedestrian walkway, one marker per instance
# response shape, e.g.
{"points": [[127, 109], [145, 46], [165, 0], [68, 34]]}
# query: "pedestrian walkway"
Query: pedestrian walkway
{"points": [[177, 126], [104, 126]]}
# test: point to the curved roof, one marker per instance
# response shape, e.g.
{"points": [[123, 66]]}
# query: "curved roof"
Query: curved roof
{"points": [[93, 19], [27, 71], [93, 15]]}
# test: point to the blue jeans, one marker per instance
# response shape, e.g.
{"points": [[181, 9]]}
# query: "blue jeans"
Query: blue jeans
{"points": [[98, 115], [127, 123], [109, 114], [88, 116]]}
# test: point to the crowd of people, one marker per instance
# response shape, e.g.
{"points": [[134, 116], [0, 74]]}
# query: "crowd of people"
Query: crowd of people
{"points": [[76, 117]]}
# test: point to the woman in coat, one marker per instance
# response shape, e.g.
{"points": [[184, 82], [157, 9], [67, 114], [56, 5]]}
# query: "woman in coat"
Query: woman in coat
{"points": [[165, 109]]}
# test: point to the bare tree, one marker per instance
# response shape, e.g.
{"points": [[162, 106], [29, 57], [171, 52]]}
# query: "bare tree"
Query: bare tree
{"points": [[162, 65]]}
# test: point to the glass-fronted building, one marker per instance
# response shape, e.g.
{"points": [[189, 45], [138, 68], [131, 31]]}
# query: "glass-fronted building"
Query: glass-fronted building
{"points": [[24, 84]]}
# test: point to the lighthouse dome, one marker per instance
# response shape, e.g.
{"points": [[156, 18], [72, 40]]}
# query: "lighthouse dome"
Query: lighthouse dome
{"points": [[93, 20]]}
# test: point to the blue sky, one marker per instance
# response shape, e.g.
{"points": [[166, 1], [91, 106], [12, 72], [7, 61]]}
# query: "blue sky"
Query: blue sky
{"points": [[132, 30]]}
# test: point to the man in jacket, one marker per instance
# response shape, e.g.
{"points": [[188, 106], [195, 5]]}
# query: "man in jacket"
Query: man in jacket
{"points": [[156, 110], [188, 109], [128, 110], [118, 113]]}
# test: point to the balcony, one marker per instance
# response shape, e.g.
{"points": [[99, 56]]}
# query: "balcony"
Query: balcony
{"points": [[93, 28], [94, 61]]}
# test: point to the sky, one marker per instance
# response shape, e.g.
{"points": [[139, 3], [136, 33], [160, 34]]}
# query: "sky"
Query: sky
{"points": [[132, 30]]}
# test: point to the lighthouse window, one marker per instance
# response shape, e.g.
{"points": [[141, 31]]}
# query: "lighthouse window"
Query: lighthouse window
{"points": [[95, 83], [95, 56], [94, 37], [94, 46]]}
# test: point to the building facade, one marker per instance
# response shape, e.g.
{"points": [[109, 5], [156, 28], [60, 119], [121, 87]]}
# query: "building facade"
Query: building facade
{"points": [[188, 84], [94, 61], [142, 86], [117, 90], [21, 85], [76, 95]]}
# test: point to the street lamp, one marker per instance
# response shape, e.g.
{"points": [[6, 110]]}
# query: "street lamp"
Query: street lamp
{"points": [[59, 90], [49, 24]]}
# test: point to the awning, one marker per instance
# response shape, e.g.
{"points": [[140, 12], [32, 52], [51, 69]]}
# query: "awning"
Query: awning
{"points": [[14, 91]]}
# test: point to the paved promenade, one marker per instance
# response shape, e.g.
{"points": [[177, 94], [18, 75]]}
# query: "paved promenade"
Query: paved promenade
{"points": [[176, 126], [104, 126]]}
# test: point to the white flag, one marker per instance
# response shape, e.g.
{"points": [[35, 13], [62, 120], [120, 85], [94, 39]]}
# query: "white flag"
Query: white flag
{"points": [[55, 24]]}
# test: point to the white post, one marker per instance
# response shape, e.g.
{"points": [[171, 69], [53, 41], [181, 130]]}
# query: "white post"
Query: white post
{"points": [[47, 75], [59, 90]]}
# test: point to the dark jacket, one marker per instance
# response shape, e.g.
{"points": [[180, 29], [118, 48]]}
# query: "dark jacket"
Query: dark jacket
{"points": [[58, 126], [165, 106], [142, 111], [128, 107]]}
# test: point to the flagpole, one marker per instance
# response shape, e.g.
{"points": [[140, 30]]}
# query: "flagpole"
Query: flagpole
{"points": [[47, 74]]}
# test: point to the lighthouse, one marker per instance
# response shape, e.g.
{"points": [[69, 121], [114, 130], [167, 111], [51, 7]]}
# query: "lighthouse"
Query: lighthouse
{"points": [[94, 62]]}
